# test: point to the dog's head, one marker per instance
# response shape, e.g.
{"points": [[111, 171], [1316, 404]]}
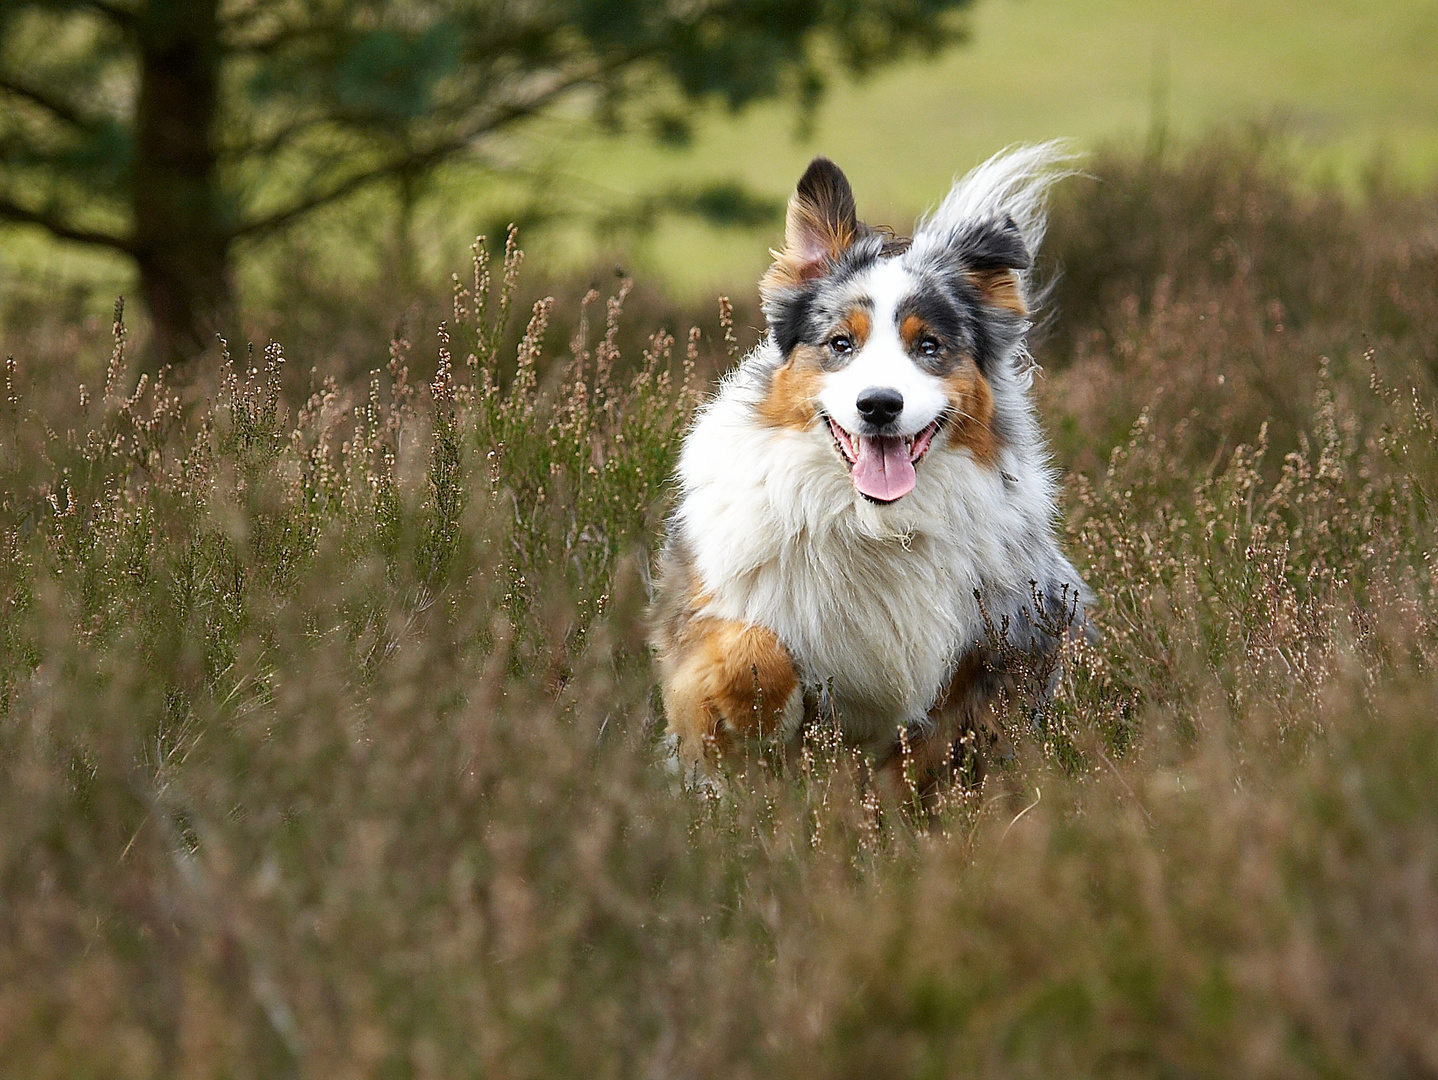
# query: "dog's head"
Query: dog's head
{"points": [[893, 348]]}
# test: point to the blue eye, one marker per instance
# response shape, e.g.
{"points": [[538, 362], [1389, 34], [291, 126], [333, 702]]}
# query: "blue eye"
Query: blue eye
{"points": [[843, 344]]}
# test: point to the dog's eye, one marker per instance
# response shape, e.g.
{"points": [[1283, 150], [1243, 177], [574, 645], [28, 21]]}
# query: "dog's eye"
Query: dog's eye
{"points": [[843, 344], [929, 346]]}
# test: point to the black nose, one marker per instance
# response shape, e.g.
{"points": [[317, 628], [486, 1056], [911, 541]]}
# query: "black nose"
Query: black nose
{"points": [[880, 405]]}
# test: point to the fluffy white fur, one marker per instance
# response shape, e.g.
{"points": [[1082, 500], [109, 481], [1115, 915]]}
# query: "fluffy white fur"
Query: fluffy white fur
{"points": [[1013, 183], [876, 601]]}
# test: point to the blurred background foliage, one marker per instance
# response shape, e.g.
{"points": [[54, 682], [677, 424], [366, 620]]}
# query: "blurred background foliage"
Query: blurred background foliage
{"points": [[402, 131], [169, 131]]}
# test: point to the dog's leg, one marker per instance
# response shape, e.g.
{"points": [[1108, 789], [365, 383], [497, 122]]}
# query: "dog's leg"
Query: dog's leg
{"points": [[944, 749], [724, 681], [918, 765]]}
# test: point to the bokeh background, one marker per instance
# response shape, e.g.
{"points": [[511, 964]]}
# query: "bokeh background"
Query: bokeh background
{"points": [[684, 192]]}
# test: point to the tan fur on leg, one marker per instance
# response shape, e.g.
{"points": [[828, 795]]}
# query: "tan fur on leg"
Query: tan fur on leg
{"points": [[725, 681]]}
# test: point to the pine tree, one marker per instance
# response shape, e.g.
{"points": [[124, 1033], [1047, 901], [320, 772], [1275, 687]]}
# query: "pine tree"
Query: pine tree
{"points": [[167, 130]]}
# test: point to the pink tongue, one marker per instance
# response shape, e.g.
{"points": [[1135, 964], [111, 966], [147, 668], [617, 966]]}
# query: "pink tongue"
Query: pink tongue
{"points": [[883, 470]]}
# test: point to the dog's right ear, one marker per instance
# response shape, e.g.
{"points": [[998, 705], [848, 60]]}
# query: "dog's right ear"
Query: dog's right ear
{"points": [[819, 227]]}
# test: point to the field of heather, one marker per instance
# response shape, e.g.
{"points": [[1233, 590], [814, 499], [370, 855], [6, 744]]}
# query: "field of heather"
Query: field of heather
{"points": [[331, 746]]}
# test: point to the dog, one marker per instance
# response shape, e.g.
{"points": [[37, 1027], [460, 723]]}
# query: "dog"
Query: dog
{"points": [[865, 516]]}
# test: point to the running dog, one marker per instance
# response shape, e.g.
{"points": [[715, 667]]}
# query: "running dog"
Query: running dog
{"points": [[868, 499]]}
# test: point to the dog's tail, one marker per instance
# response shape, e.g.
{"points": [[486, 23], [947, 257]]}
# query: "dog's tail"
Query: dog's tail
{"points": [[1013, 184]]}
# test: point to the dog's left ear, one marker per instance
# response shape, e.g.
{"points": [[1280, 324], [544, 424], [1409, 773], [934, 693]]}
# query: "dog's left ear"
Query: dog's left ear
{"points": [[819, 227], [992, 255]]}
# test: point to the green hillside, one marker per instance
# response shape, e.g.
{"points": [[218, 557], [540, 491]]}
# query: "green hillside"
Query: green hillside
{"points": [[1350, 81]]}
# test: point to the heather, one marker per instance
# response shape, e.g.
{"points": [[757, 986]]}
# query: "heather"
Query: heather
{"points": [[331, 744]]}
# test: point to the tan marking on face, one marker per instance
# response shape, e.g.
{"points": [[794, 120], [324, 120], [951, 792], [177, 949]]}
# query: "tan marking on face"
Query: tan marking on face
{"points": [[1001, 289], [793, 396], [858, 325], [912, 330], [794, 391], [724, 680], [971, 407]]}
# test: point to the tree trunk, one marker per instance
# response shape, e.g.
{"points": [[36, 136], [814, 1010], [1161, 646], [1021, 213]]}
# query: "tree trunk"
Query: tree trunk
{"points": [[181, 244]]}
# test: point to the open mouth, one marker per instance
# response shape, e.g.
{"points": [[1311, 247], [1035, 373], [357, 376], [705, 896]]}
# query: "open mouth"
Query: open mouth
{"points": [[882, 466]]}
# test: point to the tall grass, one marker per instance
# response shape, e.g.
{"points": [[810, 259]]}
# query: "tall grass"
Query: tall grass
{"points": [[330, 748], [1206, 283]]}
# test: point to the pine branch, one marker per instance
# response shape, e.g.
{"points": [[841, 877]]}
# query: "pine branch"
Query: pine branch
{"points": [[425, 157], [61, 110], [123, 17], [14, 212]]}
